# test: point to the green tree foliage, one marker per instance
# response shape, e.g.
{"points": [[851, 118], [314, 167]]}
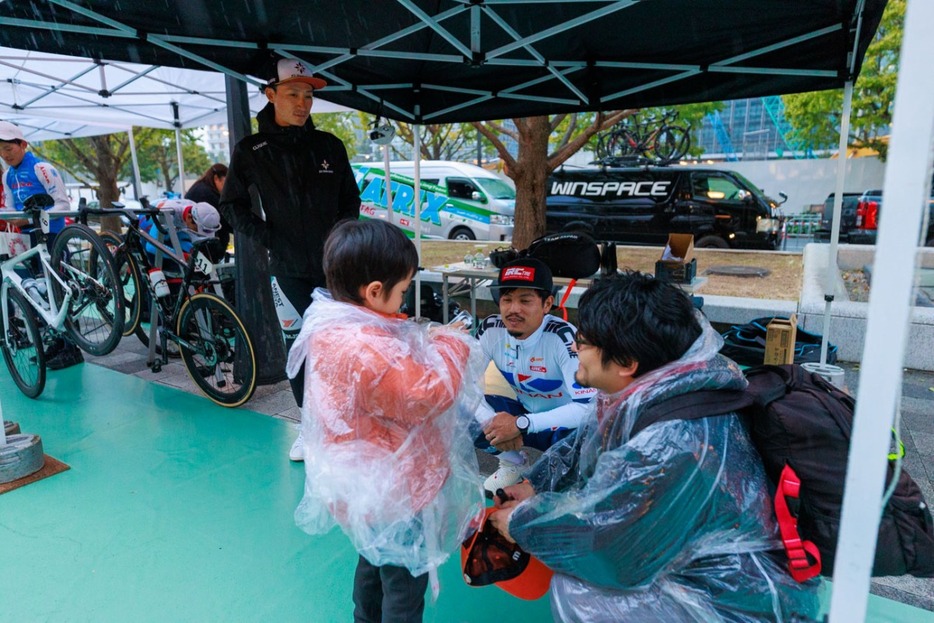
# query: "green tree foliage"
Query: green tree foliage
{"points": [[816, 116], [158, 157], [344, 125]]}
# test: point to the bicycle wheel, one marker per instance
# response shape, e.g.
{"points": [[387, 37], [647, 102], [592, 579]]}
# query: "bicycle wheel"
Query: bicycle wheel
{"points": [[22, 346], [672, 143], [95, 313], [221, 361], [623, 144], [130, 281]]}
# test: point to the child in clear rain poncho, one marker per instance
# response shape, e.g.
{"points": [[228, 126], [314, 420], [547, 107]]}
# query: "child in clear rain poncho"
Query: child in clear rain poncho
{"points": [[387, 402]]}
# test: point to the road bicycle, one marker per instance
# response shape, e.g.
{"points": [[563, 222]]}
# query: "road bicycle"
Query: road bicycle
{"points": [[210, 337], [648, 138], [74, 290]]}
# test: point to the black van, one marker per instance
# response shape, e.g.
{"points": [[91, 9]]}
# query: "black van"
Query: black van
{"points": [[643, 205]]}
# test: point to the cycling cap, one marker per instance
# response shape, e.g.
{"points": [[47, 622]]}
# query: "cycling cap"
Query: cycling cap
{"points": [[206, 218], [526, 272], [291, 70], [10, 132], [488, 558]]}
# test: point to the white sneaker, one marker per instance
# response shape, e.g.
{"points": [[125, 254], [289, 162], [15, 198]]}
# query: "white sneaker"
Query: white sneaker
{"points": [[297, 451], [508, 474]]}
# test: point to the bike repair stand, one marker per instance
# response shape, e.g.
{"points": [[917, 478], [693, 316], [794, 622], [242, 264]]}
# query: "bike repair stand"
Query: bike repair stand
{"points": [[154, 319], [20, 455]]}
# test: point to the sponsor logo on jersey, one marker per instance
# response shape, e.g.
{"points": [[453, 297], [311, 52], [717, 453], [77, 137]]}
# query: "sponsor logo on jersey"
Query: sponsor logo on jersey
{"points": [[536, 359], [263, 144], [541, 369], [325, 167]]}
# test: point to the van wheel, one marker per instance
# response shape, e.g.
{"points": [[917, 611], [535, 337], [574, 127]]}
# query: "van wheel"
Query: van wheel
{"points": [[711, 242], [462, 233]]}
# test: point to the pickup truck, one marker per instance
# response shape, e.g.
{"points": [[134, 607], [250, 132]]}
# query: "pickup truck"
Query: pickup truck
{"points": [[868, 209], [847, 217]]}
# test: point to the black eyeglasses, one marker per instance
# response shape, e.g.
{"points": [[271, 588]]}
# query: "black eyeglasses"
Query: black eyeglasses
{"points": [[582, 341]]}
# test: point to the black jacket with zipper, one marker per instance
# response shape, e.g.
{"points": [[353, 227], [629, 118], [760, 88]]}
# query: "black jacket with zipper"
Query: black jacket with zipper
{"points": [[301, 177]]}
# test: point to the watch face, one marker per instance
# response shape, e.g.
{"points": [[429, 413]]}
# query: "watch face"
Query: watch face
{"points": [[522, 423]]}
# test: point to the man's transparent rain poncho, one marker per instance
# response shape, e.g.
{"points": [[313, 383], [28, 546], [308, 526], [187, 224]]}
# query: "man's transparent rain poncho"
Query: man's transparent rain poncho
{"points": [[387, 406], [673, 524]]}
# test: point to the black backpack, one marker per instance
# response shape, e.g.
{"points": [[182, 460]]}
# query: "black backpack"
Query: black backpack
{"points": [[570, 254], [801, 425], [745, 344]]}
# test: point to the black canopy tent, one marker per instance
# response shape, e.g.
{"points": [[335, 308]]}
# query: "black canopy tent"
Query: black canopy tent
{"points": [[462, 60], [439, 61]]}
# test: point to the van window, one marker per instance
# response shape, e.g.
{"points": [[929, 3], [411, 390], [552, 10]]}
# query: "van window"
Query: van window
{"points": [[496, 188], [707, 186], [461, 188]]}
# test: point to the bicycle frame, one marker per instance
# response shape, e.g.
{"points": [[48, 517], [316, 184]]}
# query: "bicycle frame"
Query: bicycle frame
{"points": [[135, 242], [54, 317]]}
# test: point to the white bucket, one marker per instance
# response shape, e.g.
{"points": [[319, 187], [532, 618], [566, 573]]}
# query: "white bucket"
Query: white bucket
{"points": [[834, 374]]}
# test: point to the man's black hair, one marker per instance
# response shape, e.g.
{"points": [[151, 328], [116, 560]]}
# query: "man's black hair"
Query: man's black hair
{"points": [[357, 253], [634, 317]]}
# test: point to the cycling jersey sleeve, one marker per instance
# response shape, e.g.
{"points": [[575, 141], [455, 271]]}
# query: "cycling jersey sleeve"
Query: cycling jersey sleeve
{"points": [[568, 415], [53, 184]]}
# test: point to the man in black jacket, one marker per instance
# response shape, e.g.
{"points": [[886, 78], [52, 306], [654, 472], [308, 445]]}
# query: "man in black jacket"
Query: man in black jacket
{"points": [[300, 182]]}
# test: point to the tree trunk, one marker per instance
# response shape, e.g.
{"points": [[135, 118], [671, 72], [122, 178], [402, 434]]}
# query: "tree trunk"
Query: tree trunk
{"points": [[530, 174], [106, 174]]}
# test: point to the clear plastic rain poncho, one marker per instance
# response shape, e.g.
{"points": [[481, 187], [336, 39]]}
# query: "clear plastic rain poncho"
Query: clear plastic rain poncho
{"points": [[671, 525], [387, 405]]}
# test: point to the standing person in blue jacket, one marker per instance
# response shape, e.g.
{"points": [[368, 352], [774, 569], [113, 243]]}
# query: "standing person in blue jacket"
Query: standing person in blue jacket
{"points": [[303, 182], [26, 176], [674, 523]]}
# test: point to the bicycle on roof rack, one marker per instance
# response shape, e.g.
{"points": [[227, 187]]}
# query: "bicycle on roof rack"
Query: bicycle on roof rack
{"points": [[642, 140], [211, 339], [74, 290]]}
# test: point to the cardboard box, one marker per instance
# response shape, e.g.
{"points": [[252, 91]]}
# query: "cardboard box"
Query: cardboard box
{"points": [[677, 271], [780, 340]]}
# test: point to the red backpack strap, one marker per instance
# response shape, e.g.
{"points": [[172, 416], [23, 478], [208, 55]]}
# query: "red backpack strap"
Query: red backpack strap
{"points": [[564, 300], [800, 553]]}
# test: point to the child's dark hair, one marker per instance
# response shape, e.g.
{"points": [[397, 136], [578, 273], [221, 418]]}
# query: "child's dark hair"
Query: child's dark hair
{"points": [[357, 253], [635, 317]]}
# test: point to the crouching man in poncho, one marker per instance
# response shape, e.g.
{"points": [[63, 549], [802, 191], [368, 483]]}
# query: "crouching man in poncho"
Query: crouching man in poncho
{"points": [[675, 522], [387, 404]]}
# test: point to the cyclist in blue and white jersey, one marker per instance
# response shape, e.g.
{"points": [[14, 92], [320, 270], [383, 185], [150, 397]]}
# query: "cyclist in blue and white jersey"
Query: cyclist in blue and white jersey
{"points": [[534, 352], [27, 175]]}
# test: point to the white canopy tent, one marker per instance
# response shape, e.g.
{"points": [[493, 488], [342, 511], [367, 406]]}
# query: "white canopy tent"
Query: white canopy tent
{"points": [[52, 96]]}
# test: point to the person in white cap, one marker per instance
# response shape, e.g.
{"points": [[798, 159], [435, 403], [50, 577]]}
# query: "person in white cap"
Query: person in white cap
{"points": [[303, 183], [28, 175], [200, 218]]}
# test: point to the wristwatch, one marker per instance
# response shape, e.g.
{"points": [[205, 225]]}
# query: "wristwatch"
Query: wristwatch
{"points": [[523, 423]]}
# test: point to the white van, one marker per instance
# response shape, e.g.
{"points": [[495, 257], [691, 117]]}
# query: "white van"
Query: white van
{"points": [[459, 201]]}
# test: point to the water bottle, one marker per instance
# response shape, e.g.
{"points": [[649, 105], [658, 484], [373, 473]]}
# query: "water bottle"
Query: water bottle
{"points": [[478, 260], [468, 259], [159, 284], [289, 319], [37, 291]]}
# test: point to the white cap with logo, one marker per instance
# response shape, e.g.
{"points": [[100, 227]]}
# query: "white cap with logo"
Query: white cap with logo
{"points": [[10, 132]]}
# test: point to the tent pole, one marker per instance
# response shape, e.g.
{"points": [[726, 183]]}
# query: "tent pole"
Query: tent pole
{"points": [[417, 130], [830, 277], [178, 149], [137, 181], [257, 309], [388, 183], [907, 175]]}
